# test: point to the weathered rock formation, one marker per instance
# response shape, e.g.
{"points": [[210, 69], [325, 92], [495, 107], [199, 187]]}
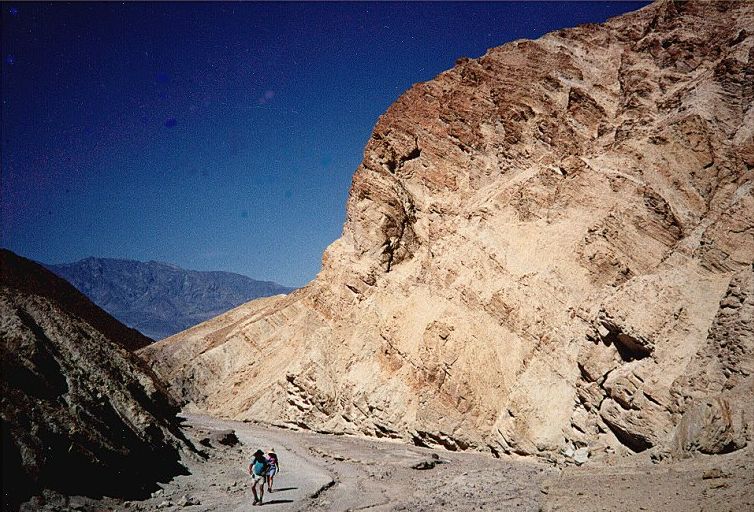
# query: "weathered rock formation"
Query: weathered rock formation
{"points": [[81, 414], [546, 248], [160, 299]]}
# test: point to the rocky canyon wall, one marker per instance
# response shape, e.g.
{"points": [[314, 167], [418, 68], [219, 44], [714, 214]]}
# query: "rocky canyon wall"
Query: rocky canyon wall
{"points": [[546, 248]]}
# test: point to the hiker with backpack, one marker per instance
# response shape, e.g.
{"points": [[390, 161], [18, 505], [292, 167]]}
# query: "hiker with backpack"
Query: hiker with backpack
{"points": [[274, 467], [258, 470]]}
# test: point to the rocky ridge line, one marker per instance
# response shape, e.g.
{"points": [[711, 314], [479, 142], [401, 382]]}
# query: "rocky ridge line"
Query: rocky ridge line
{"points": [[160, 299]]}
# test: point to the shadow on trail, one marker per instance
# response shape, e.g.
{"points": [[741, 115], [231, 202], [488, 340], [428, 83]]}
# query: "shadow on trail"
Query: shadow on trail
{"points": [[276, 502], [285, 489]]}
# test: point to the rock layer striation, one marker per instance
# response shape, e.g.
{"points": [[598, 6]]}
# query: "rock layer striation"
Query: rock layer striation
{"points": [[547, 249]]}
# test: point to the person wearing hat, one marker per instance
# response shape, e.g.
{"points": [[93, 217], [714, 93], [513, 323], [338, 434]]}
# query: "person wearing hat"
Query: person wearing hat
{"points": [[258, 471], [272, 460]]}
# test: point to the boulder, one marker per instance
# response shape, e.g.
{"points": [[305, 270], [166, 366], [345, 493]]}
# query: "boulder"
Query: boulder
{"points": [[711, 427]]}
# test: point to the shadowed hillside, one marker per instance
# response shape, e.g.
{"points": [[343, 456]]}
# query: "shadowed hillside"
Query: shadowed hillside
{"points": [[29, 277], [81, 414]]}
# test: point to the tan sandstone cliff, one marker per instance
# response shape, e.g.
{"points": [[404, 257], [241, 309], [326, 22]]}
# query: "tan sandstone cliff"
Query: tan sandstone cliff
{"points": [[546, 248]]}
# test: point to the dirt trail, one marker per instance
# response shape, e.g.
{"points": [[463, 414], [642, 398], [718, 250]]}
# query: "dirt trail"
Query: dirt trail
{"points": [[339, 473], [326, 472]]}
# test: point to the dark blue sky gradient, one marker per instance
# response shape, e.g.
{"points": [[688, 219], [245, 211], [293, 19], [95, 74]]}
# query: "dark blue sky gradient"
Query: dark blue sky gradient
{"points": [[211, 135]]}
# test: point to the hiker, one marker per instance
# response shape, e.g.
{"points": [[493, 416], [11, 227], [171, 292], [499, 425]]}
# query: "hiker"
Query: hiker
{"points": [[272, 460], [258, 470]]}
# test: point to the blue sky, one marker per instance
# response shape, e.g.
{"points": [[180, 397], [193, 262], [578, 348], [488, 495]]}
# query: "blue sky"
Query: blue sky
{"points": [[216, 136]]}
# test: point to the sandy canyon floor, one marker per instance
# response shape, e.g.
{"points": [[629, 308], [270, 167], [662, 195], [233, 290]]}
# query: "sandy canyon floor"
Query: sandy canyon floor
{"points": [[325, 472]]}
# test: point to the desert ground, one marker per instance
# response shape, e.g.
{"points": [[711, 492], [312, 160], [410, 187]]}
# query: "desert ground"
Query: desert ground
{"points": [[327, 472]]}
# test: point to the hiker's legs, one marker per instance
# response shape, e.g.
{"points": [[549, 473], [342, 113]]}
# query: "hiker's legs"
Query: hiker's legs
{"points": [[271, 478], [258, 494]]}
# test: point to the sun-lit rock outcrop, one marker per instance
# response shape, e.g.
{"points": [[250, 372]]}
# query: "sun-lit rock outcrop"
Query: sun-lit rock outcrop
{"points": [[539, 253]]}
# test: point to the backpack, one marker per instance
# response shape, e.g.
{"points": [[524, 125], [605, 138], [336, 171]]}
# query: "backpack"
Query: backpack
{"points": [[260, 467]]}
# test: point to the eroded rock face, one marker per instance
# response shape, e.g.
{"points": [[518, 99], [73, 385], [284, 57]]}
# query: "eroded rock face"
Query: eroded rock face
{"points": [[81, 414], [537, 245], [715, 395]]}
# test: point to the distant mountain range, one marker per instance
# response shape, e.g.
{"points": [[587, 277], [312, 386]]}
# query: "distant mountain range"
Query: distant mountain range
{"points": [[159, 299]]}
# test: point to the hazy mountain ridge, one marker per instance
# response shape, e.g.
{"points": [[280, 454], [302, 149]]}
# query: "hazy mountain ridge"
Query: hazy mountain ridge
{"points": [[161, 299]]}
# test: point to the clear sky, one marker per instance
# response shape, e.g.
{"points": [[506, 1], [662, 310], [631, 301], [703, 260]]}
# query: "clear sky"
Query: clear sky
{"points": [[216, 136]]}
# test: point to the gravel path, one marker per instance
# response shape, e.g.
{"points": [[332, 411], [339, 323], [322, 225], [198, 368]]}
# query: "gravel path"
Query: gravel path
{"points": [[325, 472], [339, 473]]}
